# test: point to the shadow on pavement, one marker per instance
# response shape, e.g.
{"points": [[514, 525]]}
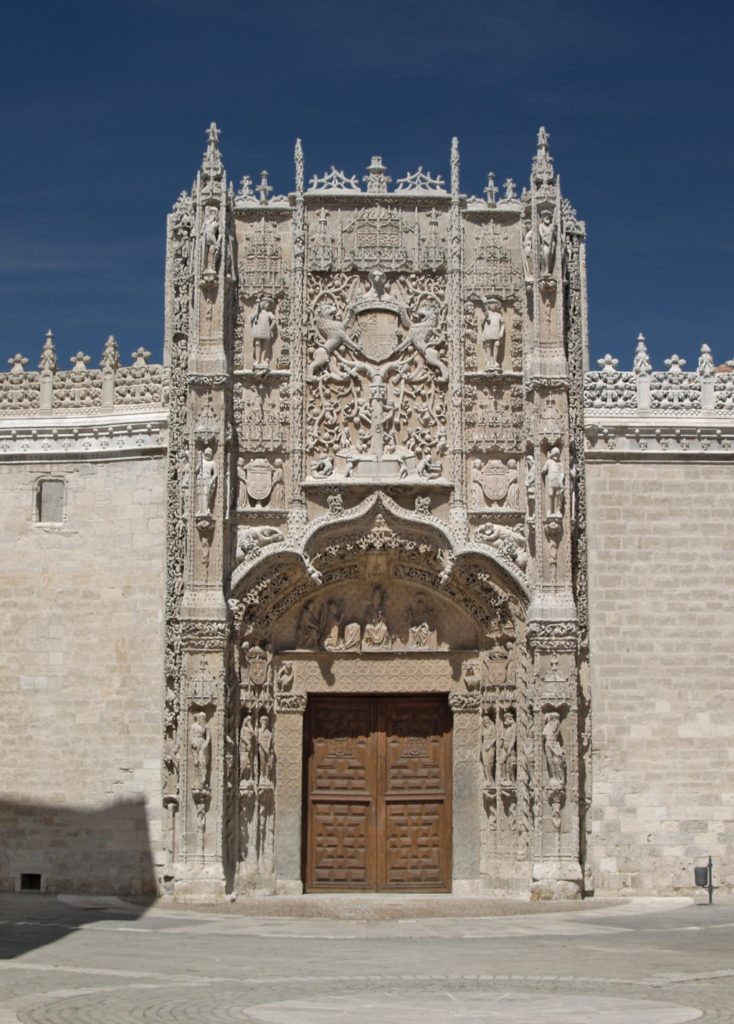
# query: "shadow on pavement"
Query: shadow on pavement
{"points": [[50, 849]]}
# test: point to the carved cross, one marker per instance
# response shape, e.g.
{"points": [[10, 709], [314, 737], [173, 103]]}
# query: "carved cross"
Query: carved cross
{"points": [[509, 190], [18, 362], [608, 364], [213, 134], [675, 364]]}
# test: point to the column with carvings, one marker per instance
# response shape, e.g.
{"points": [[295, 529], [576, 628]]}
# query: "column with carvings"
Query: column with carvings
{"points": [[297, 515], [553, 630], [457, 508], [202, 727]]}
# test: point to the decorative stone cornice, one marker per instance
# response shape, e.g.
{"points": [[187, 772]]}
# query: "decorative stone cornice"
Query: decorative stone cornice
{"points": [[91, 436]]}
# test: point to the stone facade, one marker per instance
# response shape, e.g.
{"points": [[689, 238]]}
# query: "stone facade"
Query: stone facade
{"points": [[373, 406]]}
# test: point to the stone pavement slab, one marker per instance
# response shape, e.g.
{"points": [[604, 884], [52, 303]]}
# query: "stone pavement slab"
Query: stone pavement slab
{"points": [[637, 962]]}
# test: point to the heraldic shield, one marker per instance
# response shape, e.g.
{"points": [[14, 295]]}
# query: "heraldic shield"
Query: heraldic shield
{"points": [[494, 480], [259, 480]]}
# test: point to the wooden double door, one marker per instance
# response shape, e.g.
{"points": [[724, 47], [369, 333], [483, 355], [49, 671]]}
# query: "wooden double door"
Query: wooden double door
{"points": [[378, 794]]}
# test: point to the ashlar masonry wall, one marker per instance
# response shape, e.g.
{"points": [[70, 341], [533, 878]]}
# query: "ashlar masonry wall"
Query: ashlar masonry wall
{"points": [[661, 575], [81, 672]]}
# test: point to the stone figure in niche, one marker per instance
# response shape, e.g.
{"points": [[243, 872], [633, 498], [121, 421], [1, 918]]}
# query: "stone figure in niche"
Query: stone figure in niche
{"points": [[492, 333], [488, 750], [332, 625], [547, 239], [472, 674], [507, 753], [527, 254], [277, 489], [513, 485], [247, 752], [376, 633], [333, 335], [530, 479], [476, 484], [422, 630], [555, 755], [264, 327], [352, 636], [242, 501], [308, 634], [265, 752], [210, 235], [201, 751], [422, 337], [511, 665], [550, 420], [555, 480], [284, 677], [206, 483]]}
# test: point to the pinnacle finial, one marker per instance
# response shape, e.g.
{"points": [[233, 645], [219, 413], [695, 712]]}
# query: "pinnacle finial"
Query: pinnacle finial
{"points": [[48, 355], [455, 167], [298, 157], [542, 161], [211, 166], [111, 354]]}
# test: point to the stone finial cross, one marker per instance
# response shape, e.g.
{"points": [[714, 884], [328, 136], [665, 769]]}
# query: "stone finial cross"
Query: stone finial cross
{"points": [[141, 356], [79, 361], [17, 363], [675, 364], [212, 134], [608, 364]]}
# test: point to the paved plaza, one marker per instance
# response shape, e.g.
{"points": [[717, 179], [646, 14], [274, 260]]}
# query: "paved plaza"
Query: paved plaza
{"points": [[412, 960]]}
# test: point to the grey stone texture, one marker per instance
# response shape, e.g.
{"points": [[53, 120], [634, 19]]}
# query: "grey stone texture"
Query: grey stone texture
{"points": [[81, 613], [661, 579]]}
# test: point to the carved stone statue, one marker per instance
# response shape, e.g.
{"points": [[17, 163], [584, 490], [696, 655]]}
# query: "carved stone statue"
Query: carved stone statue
{"points": [[507, 753], [251, 540], [492, 332], [277, 488], [422, 337], [308, 635], [334, 337], [264, 326], [265, 752], [555, 481], [332, 625], [376, 632], [247, 751], [513, 486], [555, 755], [547, 239], [488, 750], [422, 631], [201, 751], [242, 501], [206, 483], [210, 236], [527, 254], [510, 542], [530, 480]]}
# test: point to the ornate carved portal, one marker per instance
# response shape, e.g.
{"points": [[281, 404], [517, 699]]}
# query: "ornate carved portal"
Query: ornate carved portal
{"points": [[375, 491]]}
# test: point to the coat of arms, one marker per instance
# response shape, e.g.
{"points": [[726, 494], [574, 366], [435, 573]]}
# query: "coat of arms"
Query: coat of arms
{"points": [[259, 480], [494, 480]]}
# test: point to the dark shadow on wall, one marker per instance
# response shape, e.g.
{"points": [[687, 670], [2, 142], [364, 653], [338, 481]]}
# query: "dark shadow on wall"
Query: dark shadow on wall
{"points": [[105, 853]]}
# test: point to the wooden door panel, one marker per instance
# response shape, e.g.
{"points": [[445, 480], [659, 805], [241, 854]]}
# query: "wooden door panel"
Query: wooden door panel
{"points": [[378, 800], [415, 857], [342, 847]]}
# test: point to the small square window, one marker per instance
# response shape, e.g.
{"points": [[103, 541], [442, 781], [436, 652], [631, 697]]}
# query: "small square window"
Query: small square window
{"points": [[30, 882], [50, 501]]}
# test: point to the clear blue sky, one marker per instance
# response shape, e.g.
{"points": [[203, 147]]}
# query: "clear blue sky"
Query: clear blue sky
{"points": [[104, 106]]}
